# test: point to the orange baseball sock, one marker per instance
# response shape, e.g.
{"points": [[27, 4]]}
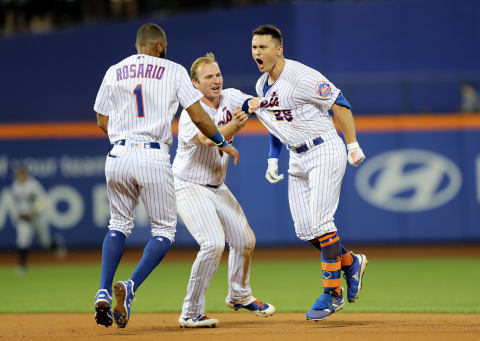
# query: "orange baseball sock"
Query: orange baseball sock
{"points": [[347, 258]]}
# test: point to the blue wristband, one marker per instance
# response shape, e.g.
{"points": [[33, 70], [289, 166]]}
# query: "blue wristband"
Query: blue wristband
{"points": [[245, 105], [218, 139]]}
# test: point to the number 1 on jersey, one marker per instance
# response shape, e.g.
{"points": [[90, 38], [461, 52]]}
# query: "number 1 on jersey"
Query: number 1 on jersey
{"points": [[138, 96]]}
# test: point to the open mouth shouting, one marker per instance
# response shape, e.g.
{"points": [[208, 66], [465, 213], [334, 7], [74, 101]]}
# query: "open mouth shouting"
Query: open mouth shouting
{"points": [[259, 63]]}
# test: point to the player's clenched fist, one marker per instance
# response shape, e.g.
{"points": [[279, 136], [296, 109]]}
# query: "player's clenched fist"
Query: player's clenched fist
{"points": [[240, 117], [253, 104], [272, 171], [355, 154]]}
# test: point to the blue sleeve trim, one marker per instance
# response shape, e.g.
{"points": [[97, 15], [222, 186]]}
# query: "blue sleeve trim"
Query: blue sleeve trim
{"points": [[275, 147], [343, 101], [245, 105]]}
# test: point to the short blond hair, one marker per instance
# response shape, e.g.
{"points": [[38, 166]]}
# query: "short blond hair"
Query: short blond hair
{"points": [[209, 58]]}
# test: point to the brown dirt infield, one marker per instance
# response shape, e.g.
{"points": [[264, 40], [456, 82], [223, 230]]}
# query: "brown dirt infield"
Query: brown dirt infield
{"points": [[243, 325]]}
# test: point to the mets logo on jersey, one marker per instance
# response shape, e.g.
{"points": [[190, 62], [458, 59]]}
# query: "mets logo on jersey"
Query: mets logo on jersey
{"points": [[323, 89]]}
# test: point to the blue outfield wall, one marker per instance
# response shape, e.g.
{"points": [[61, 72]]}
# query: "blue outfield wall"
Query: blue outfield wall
{"points": [[391, 56], [413, 187]]}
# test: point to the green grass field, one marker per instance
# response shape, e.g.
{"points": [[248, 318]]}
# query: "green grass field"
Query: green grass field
{"points": [[437, 285]]}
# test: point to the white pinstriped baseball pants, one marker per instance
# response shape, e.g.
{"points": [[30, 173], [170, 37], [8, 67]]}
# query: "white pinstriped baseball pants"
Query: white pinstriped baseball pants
{"points": [[314, 182], [26, 230], [213, 216], [134, 172]]}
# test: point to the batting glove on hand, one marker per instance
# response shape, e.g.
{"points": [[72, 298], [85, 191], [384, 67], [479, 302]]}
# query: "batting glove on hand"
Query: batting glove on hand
{"points": [[272, 171], [355, 154]]}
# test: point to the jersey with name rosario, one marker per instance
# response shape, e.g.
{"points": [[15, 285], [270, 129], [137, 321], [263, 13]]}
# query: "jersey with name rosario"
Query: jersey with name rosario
{"points": [[295, 107], [140, 95], [198, 163]]}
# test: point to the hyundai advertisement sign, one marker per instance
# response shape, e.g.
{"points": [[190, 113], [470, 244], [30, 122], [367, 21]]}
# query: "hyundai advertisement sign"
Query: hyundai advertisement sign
{"points": [[412, 187]]}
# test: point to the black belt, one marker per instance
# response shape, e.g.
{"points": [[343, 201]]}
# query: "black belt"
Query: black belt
{"points": [[148, 145], [213, 186], [25, 217], [303, 148]]}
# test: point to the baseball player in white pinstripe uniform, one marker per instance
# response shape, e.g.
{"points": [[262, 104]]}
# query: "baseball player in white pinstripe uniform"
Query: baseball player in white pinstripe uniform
{"points": [[293, 104], [135, 106], [206, 205], [31, 205]]}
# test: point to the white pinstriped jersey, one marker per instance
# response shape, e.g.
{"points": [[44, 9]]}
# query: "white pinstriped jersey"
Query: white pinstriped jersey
{"points": [[31, 210], [198, 163], [27, 195], [140, 95], [297, 104]]}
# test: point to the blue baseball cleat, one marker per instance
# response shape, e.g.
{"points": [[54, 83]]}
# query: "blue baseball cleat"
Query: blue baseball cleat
{"points": [[325, 306], [354, 275], [124, 295], [103, 310], [258, 307]]}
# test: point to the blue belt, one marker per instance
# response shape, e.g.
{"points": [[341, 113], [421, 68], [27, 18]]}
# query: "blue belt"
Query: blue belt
{"points": [[303, 148], [148, 145]]}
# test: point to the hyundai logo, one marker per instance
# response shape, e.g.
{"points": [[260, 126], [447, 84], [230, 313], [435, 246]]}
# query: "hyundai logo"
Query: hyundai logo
{"points": [[408, 180]]}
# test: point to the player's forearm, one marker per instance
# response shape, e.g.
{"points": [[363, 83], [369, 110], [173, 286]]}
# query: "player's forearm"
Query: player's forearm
{"points": [[102, 122], [252, 104], [228, 131], [202, 140], [201, 119], [345, 121], [206, 126]]}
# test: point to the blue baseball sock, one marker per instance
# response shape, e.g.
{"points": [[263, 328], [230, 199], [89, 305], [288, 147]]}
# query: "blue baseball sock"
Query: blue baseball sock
{"points": [[153, 254], [112, 251]]}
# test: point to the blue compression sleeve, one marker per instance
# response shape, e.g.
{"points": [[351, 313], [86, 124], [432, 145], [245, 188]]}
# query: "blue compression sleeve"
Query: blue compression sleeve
{"points": [[341, 100], [275, 147]]}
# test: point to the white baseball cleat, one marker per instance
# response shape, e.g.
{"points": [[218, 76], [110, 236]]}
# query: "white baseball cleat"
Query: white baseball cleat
{"points": [[201, 321]]}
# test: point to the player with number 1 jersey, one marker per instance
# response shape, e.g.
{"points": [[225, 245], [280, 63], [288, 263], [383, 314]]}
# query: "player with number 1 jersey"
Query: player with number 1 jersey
{"points": [[135, 106], [152, 82]]}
